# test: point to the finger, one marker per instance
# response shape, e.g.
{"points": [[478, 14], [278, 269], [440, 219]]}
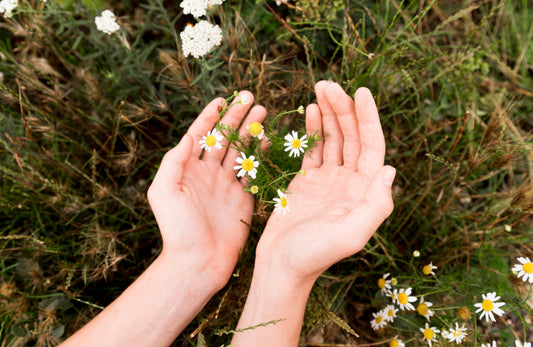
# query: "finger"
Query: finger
{"points": [[313, 125], [204, 122], [233, 118], [344, 108], [171, 169], [372, 140], [364, 220], [333, 141], [257, 114]]}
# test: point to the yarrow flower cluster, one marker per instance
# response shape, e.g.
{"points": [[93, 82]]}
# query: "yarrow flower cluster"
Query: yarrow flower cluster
{"points": [[199, 39], [7, 7], [198, 8], [107, 22]]}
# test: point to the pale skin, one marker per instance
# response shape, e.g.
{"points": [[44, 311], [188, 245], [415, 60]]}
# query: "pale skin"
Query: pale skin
{"points": [[335, 208], [203, 215]]}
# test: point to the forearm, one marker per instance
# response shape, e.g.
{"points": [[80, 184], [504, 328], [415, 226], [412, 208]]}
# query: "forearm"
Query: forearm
{"points": [[274, 310], [153, 310]]}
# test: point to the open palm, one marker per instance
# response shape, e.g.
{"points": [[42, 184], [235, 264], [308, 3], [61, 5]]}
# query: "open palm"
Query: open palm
{"points": [[199, 204], [345, 193]]}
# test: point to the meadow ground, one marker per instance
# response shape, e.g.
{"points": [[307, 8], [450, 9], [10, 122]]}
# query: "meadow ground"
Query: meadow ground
{"points": [[86, 116]]}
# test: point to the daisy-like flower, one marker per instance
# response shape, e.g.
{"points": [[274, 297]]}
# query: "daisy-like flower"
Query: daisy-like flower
{"points": [[428, 269], [423, 308], [524, 269], [430, 333], [456, 335], [106, 22], [396, 342], [282, 204], [294, 144], [384, 284], [247, 166], [7, 7], [212, 139], [493, 344], [489, 306], [379, 320], [404, 299], [390, 313], [256, 130], [517, 343], [198, 8], [199, 39]]}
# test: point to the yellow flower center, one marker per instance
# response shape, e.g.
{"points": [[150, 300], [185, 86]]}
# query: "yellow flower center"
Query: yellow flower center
{"points": [[394, 343], [394, 281], [429, 334], [390, 313], [422, 309], [296, 143], [426, 270], [381, 283], [379, 319], [463, 312], [487, 305], [283, 202], [255, 128], [402, 298], [456, 333], [247, 164], [528, 268], [210, 140], [254, 189]]}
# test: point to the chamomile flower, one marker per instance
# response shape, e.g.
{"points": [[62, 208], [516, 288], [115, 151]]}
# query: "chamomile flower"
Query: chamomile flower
{"points": [[256, 130], [7, 7], [379, 320], [384, 284], [456, 335], [294, 144], [428, 269], [199, 39], [489, 306], [282, 204], [423, 308], [517, 343], [212, 139], [390, 313], [403, 299], [247, 166], [493, 344], [254, 189], [524, 269], [396, 342], [430, 333], [106, 22]]}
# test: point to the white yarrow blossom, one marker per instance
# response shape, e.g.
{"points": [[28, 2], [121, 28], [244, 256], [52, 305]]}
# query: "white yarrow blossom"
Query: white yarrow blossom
{"points": [[198, 8], [107, 22], [199, 39], [7, 7]]}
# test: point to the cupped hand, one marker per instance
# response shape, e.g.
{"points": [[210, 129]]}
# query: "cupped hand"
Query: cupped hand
{"points": [[345, 193], [200, 206]]}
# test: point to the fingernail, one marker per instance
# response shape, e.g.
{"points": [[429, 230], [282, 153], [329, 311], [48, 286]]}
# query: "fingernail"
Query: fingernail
{"points": [[388, 176]]}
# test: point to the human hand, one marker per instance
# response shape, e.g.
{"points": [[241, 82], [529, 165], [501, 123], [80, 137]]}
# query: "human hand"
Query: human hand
{"points": [[199, 204], [344, 195]]}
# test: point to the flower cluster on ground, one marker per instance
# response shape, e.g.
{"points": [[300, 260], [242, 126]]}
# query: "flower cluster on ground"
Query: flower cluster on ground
{"points": [[403, 300]]}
